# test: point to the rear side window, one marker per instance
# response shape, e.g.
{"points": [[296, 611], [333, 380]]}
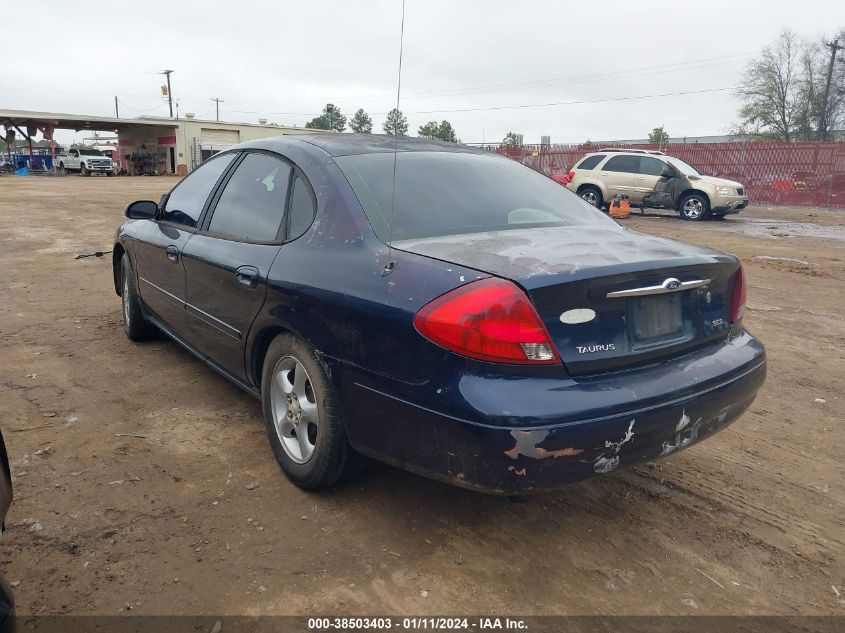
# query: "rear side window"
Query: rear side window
{"points": [[302, 208], [624, 162], [591, 161], [252, 204], [453, 193], [651, 166], [186, 201]]}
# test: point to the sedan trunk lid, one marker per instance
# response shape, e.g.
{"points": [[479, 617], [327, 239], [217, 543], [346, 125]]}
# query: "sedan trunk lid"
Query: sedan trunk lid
{"points": [[610, 297]]}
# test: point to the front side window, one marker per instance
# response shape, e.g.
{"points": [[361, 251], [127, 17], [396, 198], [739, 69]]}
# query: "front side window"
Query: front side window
{"points": [[625, 163], [651, 166], [185, 203], [591, 161], [453, 193], [252, 204]]}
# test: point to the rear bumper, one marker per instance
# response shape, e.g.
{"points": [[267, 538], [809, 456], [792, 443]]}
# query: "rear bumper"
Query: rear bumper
{"points": [[520, 459]]}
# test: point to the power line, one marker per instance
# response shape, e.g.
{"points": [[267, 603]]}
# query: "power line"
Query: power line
{"points": [[123, 103], [544, 83], [512, 107], [591, 77], [564, 103]]}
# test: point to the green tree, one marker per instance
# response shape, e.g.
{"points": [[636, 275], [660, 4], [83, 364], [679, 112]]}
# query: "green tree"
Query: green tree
{"points": [[396, 123], [511, 140], [442, 131], [658, 135], [331, 119], [447, 133], [361, 122], [429, 130]]}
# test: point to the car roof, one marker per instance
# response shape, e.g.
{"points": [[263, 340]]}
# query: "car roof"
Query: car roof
{"points": [[616, 150], [344, 144]]}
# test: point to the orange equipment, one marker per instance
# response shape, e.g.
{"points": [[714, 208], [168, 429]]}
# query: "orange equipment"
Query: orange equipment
{"points": [[620, 208]]}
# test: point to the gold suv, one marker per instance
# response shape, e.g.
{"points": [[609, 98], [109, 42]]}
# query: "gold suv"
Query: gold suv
{"points": [[652, 179]]}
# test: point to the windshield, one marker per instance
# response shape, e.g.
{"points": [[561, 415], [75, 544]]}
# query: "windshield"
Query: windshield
{"points": [[686, 170], [90, 152], [451, 193]]}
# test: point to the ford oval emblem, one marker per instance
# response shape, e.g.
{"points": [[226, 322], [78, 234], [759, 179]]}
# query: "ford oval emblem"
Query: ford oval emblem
{"points": [[578, 315], [672, 284]]}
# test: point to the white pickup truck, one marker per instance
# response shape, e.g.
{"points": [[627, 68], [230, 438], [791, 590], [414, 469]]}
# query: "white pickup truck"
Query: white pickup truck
{"points": [[85, 161]]}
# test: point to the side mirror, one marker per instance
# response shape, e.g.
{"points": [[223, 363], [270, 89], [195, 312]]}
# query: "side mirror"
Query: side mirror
{"points": [[667, 172], [142, 210]]}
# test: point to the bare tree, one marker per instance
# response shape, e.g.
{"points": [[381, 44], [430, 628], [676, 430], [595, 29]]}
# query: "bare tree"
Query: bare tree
{"points": [[771, 90]]}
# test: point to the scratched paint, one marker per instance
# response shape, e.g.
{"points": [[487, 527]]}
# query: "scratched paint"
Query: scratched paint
{"points": [[686, 433], [605, 462], [683, 422], [526, 444]]}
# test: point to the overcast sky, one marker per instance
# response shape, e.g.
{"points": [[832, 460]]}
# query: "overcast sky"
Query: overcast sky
{"points": [[283, 60]]}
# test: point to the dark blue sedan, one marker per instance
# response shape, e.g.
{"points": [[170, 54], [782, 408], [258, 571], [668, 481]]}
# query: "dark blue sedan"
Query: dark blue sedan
{"points": [[442, 309]]}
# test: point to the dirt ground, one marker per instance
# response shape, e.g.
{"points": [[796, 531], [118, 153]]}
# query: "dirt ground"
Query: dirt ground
{"points": [[131, 462]]}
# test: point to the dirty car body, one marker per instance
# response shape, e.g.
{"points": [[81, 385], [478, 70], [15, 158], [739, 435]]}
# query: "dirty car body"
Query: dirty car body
{"points": [[479, 323], [7, 601]]}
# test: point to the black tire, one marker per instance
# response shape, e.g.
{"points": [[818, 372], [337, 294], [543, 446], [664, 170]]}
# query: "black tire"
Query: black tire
{"points": [[136, 327], [694, 207], [332, 459], [592, 196], [62, 170], [109, 174], [83, 171]]}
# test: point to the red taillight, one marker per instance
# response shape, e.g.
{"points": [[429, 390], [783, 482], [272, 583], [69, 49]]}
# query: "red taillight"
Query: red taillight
{"points": [[490, 320], [738, 296], [569, 176]]}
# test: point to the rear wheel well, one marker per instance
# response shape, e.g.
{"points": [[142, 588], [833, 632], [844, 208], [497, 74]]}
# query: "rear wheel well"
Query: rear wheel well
{"points": [[116, 259], [259, 351], [687, 192], [589, 186]]}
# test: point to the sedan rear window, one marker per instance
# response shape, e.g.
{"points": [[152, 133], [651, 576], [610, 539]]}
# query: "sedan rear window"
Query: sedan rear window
{"points": [[452, 193]]}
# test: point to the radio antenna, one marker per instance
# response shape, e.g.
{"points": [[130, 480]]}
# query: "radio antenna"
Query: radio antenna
{"points": [[391, 265]]}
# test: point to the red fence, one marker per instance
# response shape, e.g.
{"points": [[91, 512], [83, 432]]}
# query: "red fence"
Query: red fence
{"points": [[777, 173]]}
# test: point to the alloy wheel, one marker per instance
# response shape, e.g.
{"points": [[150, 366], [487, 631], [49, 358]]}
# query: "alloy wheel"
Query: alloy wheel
{"points": [[293, 402], [590, 197], [693, 208]]}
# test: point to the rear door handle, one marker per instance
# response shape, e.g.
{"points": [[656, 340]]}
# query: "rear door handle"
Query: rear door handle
{"points": [[248, 276], [172, 253]]}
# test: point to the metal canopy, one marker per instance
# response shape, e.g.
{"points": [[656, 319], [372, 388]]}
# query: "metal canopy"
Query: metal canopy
{"points": [[77, 122]]}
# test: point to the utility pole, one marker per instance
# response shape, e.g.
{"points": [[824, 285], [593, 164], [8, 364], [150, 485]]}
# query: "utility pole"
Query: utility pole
{"points": [[169, 91], [217, 101], [116, 111], [823, 122]]}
